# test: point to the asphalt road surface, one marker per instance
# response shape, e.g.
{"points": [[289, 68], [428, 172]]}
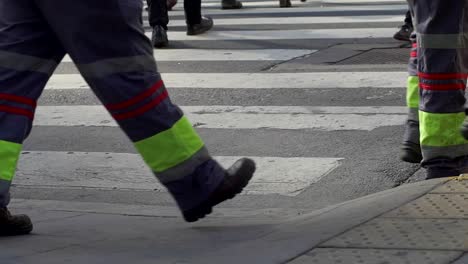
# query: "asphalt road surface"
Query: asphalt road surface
{"points": [[314, 93]]}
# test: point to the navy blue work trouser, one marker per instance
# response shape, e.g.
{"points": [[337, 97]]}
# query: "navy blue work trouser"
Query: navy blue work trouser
{"points": [[107, 42]]}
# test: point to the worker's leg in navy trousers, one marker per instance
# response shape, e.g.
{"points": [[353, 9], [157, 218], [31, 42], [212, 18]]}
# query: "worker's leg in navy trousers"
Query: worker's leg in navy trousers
{"points": [[107, 42]]}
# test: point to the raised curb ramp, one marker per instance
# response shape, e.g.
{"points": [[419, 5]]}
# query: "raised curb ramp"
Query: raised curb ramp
{"points": [[424, 222]]}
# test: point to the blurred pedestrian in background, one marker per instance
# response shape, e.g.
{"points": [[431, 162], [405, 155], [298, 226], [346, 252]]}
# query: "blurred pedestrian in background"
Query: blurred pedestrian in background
{"points": [[159, 18], [406, 29]]}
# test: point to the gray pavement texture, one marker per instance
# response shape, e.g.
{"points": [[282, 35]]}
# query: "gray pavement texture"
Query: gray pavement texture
{"points": [[423, 222]]}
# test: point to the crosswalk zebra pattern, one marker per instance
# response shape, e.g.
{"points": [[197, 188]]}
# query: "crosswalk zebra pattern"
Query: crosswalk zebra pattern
{"points": [[229, 60]]}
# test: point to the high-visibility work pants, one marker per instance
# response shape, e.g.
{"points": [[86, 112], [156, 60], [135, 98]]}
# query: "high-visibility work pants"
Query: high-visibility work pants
{"points": [[106, 40], [442, 37], [412, 96]]}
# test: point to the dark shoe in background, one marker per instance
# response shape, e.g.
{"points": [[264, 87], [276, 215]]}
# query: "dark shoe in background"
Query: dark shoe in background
{"points": [[237, 177], [231, 4], [159, 38], [285, 3], [206, 24], [14, 225], [404, 33], [171, 4]]}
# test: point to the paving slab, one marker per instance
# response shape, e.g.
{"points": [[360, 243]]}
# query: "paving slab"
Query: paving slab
{"points": [[430, 229], [373, 256]]}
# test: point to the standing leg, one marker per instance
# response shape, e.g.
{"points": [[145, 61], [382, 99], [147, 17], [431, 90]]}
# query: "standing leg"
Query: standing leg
{"points": [[158, 20], [116, 59], [404, 33], [29, 53], [442, 77], [196, 23], [411, 149], [408, 18]]}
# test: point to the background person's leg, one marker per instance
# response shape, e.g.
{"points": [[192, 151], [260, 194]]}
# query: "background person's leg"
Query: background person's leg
{"points": [[196, 23], [158, 20], [411, 149]]}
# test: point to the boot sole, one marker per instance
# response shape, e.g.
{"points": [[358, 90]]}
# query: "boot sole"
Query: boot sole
{"points": [[231, 7], [400, 38], [161, 44], [207, 208], [198, 32], [19, 232]]}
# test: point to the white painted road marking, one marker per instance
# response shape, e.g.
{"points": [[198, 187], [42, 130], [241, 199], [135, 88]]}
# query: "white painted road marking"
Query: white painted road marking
{"points": [[296, 20], [245, 4], [302, 80], [362, 2], [239, 117], [336, 33], [275, 175], [178, 11], [225, 55]]}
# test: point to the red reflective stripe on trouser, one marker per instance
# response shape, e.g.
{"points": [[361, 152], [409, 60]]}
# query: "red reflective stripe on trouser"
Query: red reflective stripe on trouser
{"points": [[16, 111], [145, 108], [137, 98], [442, 76], [18, 99], [442, 87]]}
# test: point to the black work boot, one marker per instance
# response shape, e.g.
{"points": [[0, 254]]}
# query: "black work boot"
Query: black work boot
{"points": [[404, 33], [159, 38], [170, 4], [411, 152], [231, 4], [14, 225], [206, 24], [236, 178], [285, 3], [445, 167]]}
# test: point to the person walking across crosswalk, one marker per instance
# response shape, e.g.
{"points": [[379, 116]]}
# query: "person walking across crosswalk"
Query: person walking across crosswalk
{"points": [[106, 41]]}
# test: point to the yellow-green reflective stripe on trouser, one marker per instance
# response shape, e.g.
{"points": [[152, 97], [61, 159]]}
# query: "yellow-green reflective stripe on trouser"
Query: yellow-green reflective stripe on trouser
{"points": [[412, 101], [177, 146], [9, 154], [412, 92], [440, 135]]}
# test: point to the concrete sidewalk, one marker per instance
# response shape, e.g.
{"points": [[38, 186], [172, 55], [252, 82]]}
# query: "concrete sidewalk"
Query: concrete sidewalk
{"points": [[424, 222]]}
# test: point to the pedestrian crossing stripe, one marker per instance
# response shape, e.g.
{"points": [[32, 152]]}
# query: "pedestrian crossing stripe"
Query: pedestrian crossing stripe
{"points": [[241, 117], [296, 20], [269, 80], [275, 175], [178, 10], [225, 54], [360, 2], [248, 4], [336, 33]]}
